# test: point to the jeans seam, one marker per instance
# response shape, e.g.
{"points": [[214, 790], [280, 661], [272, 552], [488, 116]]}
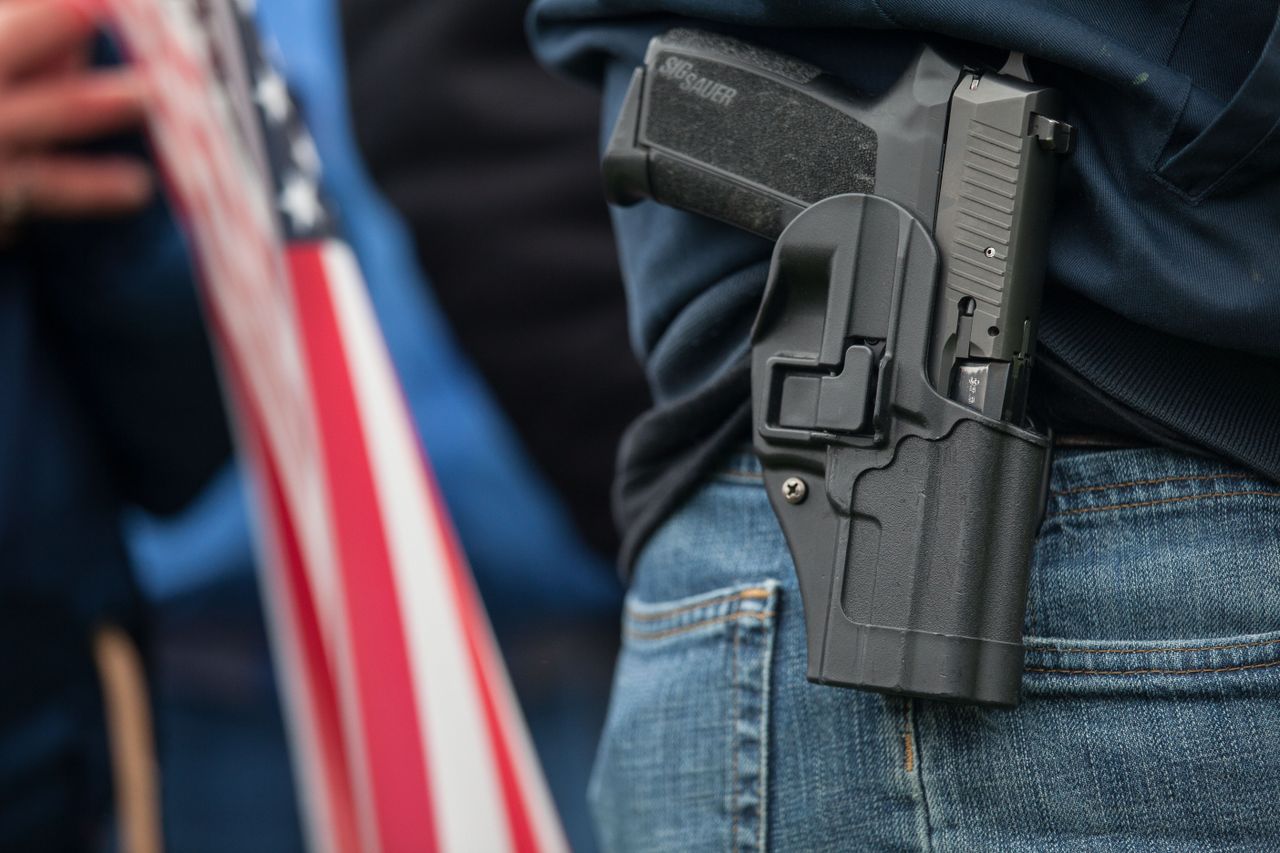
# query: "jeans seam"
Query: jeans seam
{"points": [[1155, 650], [1159, 480], [1197, 671], [766, 695], [884, 13], [733, 733], [1160, 501], [1033, 596], [913, 735], [908, 753]]}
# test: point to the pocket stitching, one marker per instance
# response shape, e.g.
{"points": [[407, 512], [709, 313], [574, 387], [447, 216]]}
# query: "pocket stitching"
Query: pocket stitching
{"points": [[1266, 140], [684, 629], [753, 594], [745, 714]]}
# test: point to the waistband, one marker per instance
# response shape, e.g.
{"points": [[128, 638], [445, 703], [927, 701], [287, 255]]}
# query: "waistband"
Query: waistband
{"points": [[1092, 473]]}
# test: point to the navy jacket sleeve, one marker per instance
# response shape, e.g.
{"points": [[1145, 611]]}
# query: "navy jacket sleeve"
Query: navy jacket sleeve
{"points": [[118, 297]]}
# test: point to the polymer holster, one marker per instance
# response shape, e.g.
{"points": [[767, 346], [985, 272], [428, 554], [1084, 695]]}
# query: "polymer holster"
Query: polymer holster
{"points": [[892, 352]]}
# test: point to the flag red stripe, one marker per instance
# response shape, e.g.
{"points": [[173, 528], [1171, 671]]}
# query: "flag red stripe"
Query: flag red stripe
{"points": [[394, 745]]}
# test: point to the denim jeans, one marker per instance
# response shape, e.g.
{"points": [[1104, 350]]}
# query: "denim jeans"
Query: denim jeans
{"points": [[1150, 713]]}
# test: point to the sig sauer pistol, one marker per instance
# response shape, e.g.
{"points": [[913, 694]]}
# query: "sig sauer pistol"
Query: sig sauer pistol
{"points": [[893, 348]]}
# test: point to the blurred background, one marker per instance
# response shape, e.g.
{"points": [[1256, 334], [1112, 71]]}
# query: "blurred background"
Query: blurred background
{"points": [[468, 187]]}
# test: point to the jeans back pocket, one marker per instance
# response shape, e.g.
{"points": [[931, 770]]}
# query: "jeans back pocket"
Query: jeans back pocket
{"points": [[682, 763]]}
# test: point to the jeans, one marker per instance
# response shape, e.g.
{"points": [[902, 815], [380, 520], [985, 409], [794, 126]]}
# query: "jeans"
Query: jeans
{"points": [[1150, 713]]}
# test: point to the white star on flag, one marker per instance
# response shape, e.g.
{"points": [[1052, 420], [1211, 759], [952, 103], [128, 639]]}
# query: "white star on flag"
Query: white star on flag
{"points": [[301, 202], [303, 150], [272, 95]]}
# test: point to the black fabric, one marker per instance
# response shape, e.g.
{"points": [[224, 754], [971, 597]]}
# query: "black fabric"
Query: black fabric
{"points": [[1190, 398], [1075, 411], [675, 445], [493, 163], [671, 448], [1220, 400]]}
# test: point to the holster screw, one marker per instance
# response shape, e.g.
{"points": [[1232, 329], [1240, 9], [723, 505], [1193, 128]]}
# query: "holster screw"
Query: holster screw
{"points": [[795, 490]]}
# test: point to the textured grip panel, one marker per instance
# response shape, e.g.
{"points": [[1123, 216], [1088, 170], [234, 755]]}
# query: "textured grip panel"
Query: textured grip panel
{"points": [[687, 187], [761, 131]]}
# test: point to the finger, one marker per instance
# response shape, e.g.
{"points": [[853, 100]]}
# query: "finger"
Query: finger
{"points": [[33, 32], [71, 186], [72, 108], [64, 64]]}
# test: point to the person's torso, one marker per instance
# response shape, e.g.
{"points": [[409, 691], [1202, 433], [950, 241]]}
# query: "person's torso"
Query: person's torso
{"points": [[1163, 280]]}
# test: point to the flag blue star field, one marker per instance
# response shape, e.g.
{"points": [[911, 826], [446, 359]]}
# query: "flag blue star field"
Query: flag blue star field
{"points": [[405, 732]]}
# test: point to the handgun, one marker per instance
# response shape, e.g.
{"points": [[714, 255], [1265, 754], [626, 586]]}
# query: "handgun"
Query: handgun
{"points": [[892, 353]]}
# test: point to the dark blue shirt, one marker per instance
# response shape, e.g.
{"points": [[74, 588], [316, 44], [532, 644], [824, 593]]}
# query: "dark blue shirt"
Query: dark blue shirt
{"points": [[1164, 268], [107, 396]]}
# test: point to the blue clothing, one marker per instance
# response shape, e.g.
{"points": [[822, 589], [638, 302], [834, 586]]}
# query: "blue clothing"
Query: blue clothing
{"points": [[1163, 294], [107, 396], [1173, 183], [1149, 720]]}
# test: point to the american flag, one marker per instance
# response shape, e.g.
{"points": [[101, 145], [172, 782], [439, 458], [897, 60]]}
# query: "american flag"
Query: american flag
{"points": [[405, 732]]}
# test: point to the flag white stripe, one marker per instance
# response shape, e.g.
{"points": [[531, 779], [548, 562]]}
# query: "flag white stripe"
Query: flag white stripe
{"points": [[470, 813]]}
